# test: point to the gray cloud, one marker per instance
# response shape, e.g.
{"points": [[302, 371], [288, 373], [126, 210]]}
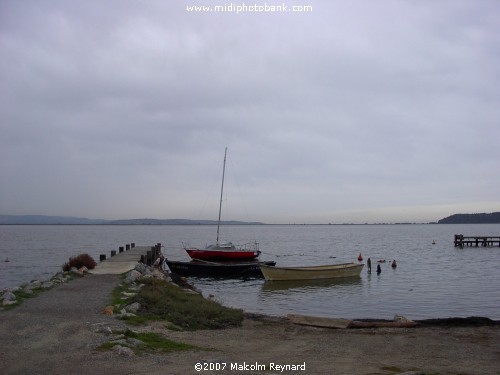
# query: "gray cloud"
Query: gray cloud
{"points": [[357, 111]]}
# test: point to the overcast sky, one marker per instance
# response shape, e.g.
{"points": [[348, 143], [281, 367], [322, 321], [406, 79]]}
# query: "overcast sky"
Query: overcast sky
{"points": [[357, 111]]}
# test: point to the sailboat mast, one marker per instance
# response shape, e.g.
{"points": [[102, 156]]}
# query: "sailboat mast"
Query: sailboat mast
{"points": [[221, 192]]}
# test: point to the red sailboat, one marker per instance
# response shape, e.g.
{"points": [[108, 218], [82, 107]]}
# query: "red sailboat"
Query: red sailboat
{"points": [[224, 251]]}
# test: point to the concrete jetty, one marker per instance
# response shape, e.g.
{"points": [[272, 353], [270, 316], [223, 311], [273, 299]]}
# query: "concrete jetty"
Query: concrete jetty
{"points": [[125, 261]]}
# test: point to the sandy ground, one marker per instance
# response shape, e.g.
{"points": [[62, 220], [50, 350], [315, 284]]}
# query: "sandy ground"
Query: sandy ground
{"points": [[58, 333]]}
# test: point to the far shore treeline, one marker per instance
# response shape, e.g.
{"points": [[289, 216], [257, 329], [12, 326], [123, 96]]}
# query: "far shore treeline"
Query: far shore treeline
{"points": [[480, 218], [493, 218]]}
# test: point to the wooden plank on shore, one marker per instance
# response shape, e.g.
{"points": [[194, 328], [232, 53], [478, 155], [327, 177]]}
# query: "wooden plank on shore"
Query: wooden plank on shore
{"points": [[319, 321], [358, 324]]}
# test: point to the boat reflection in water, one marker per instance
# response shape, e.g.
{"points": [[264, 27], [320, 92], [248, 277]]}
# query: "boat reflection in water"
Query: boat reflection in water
{"points": [[309, 285], [200, 268]]}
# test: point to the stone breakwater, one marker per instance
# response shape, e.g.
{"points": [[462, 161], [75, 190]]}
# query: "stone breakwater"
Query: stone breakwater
{"points": [[13, 296], [132, 284], [119, 340]]}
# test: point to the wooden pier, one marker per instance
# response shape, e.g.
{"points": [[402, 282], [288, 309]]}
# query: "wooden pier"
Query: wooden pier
{"points": [[126, 259], [476, 241]]}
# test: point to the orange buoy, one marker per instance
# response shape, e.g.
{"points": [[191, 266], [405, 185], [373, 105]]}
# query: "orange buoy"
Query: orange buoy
{"points": [[360, 258]]}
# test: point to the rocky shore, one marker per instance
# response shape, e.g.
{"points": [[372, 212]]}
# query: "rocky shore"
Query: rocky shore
{"points": [[15, 295], [61, 330]]}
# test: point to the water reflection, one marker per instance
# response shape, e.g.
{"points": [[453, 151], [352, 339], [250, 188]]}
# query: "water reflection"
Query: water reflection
{"points": [[309, 285]]}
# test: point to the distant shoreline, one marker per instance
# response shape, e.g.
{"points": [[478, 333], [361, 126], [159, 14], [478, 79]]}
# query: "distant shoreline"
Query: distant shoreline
{"points": [[241, 224], [483, 218]]}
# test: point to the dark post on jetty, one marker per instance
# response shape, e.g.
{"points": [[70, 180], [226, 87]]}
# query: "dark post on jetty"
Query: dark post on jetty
{"points": [[113, 252], [151, 255], [476, 241]]}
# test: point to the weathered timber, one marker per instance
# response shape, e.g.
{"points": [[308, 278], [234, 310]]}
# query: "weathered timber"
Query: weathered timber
{"points": [[476, 241], [319, 321], [382, 324]]}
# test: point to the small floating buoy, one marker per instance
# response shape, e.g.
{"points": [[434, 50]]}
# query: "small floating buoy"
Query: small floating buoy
{"points": [[394, 265], [360, 258]]}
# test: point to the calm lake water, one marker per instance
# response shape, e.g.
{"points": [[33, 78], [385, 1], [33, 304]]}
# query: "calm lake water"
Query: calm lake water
{"points": [[430, 281]]}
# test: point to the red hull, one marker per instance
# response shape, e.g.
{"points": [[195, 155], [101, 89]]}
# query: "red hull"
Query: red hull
{"points": [[222, 254]]}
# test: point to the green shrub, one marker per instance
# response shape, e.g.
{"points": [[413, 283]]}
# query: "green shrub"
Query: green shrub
{"points": [[161, 300], [79, 261]]}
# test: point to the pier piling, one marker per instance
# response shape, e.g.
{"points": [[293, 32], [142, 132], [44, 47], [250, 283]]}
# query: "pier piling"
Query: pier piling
{"points": [[476, 241]]}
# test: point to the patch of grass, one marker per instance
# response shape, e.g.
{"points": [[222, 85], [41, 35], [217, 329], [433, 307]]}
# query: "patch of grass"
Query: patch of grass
{"points": [[136, 320], [160, 300], [392, 369], [155, 342], [22, 295], [107, 346], [152, 342], [116, 295]]}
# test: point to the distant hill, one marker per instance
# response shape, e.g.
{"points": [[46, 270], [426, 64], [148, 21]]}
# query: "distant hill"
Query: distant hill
{"points": [[492, 218], [176, 222], [47, 220], [65, 220]]}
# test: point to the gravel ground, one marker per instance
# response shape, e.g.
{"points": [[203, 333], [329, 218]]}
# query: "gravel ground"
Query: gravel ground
{"points": [[58, 333]]}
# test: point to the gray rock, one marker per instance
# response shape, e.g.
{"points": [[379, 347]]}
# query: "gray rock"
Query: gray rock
{"points": [[35, 284], [402, 319], [47, 284], [8, 296], [126, 315], [123, 350], [141, 267], [106, 330], [134, 342], [128, 294], [74, 271], [122, 342], [133, 307], [132, 276], [158, 274]]}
